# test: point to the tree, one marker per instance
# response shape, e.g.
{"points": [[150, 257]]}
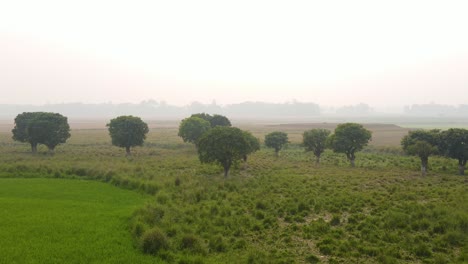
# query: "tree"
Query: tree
{"points": [[423, 144], [276, 140], [192, 128], [253, 144], [348, 139], [203, 116], [454, 144], [223, 145], [127, 131], [219, 120], [50, 129], [315, 140], [214, 120], [20, 131]]}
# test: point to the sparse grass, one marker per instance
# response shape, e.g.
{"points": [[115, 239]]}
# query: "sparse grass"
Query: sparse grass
{"points": [[284, 210]]}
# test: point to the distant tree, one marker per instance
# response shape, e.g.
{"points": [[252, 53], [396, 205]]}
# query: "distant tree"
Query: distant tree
{"points": [[20, 131], [127, 132], [348, 139], [214, 120], [423, 144], [276, 140], [223, 145], [454, 144], [253, 144], [192, 128], [219, 120], [50, 129], [203, 116], [315, 140]]}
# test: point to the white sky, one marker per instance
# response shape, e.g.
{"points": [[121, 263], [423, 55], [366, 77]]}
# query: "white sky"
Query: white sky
{"points": [[384, 53]]}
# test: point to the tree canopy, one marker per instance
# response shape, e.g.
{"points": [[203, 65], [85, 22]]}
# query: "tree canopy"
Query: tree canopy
{"points": [[454, 144], [276, 140], [253, 144], [349, 138], [423, 144], [315, 140], [214, 120], [192, 128], [50, 129], [223, 145], [432, 137], [204, 116], [219, 120], [127, 131]]}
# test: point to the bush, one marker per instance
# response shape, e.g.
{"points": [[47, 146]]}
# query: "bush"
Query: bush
{"points": [[217, 244], [335, 220], [191, 243], [177, 181], [312, 259], [422, 250], [138, 229], [153, 241]]}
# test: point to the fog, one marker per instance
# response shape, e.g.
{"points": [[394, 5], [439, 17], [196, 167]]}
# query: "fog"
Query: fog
{"points": [[387, 55]]}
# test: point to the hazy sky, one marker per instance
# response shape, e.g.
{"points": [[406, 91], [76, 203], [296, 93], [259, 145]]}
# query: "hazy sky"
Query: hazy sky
{"points": [[330, 52]]}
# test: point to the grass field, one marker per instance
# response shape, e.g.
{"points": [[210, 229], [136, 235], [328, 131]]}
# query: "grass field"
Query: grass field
{"points": [[66, 221], [271, 210]]}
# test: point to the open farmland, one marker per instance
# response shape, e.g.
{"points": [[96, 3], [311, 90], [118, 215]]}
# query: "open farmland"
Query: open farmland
{"points": [[271, 210], [66, 221]]}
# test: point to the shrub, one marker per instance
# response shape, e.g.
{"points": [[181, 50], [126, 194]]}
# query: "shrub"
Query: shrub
{"points": [[325, 249], [217, 244], [138, 229], [422, 250], [153, 241], [312, 259], [177, 181], [335, 220], [191, 243]]}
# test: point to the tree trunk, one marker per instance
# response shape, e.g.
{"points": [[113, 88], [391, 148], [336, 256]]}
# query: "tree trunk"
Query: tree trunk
{"points": [[34, 147], [317, 160], [351, 157], [277, 153], [227, 166], [51, 149], [424, 162], [461, 169], [423, 170], [127, 150]]}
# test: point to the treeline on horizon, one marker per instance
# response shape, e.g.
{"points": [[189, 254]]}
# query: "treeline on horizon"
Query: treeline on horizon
{"points": [[155, 109]]}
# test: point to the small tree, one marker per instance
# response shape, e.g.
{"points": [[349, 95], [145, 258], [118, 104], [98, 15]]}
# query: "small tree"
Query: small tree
{"points": [[50, 129], [192, 128], [223, 145], [454, 144], [219, 120], [276, 140], [253, 144], [315, 140], [127, 132], [20, 131], [422, 144], [349, 138]]}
